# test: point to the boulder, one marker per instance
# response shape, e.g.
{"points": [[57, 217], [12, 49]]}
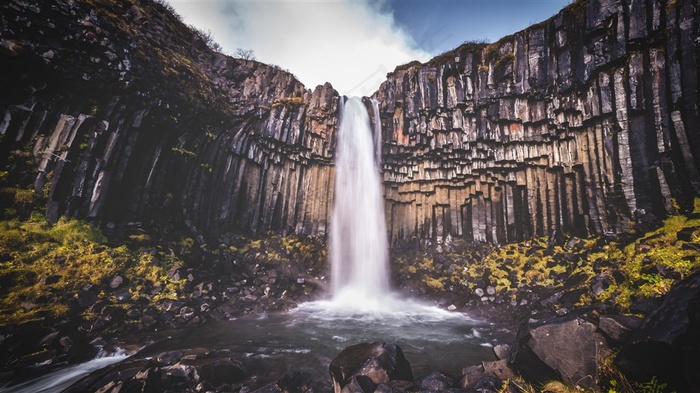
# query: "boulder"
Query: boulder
{"points": [[436, 381], [380, 362], [667, 343], [618, 327], [488, 372], [565, 350]]}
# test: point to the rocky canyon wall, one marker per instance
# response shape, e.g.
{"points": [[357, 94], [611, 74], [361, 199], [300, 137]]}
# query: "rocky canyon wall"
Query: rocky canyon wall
{"points": [[119, 113], [585, 123]]}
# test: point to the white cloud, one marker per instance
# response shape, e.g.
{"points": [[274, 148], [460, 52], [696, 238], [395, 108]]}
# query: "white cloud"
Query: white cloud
{"points": [[351, 44]]}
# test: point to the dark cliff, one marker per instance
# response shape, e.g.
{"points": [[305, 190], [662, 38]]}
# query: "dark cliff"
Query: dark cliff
{"points": [[118, 112], [585, 123]]}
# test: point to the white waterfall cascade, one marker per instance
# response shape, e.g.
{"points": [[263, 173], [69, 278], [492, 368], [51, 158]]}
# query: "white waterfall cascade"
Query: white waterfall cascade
{"points": [[359, 246]]}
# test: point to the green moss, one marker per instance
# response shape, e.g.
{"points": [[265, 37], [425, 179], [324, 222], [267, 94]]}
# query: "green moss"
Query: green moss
{"points": [[658, 249], [434, 283], [43, 266], [184, 152], [19, 196], [289, 103]]}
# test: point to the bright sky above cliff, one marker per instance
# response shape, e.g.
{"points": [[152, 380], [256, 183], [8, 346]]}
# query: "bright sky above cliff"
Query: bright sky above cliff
{"points": [[353, 44]]}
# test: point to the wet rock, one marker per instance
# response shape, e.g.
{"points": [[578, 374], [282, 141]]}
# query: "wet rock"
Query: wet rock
{"points": [[380, 362], [296, 382], [187, 313], [215, 371], [501, 351], [359, 384], [111, 376], [167, 358], [436, 381]]}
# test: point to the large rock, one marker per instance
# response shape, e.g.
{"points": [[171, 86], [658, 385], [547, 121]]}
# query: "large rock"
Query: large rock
{"points": [[380, 362], [667, 344], [560, 350]]}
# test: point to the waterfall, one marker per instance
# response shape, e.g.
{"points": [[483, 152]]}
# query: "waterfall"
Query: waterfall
{"points": [[377, 128], [358, 239]]}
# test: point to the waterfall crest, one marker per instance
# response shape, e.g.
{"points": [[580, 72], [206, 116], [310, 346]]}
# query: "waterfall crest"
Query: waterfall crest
{"points": [[358, 239]]}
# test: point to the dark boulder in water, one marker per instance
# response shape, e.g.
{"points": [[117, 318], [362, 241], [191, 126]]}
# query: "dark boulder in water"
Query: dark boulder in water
{"points": [[380, 362]]}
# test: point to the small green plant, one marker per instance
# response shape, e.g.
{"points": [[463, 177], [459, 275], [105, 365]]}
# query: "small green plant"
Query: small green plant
{"points": [[289, 103], [184, 152]]}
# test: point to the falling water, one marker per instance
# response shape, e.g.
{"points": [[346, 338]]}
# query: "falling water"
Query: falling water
{"points": [[359, 256]]}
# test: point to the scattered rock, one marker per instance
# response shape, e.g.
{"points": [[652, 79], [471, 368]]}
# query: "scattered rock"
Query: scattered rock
{"points": [[380, 362], [116, 282], [436, 381]]}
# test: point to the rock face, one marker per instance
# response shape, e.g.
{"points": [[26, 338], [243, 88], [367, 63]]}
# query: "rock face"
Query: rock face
{"points": [[128, 116], [584, 123]]}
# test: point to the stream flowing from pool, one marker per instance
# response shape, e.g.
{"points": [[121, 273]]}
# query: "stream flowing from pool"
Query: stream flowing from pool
{"points": [[362, 307]]}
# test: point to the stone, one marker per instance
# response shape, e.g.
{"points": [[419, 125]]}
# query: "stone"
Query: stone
{"points": [[435, 382], [502, 351], [187, 313], [618, 327], [686, 234], [380, 362], [563, 349], [123, 295], [666, 343], [359, 384], [498, 369], [470, 376], [216, 371], [479, 292], [116, 282]]}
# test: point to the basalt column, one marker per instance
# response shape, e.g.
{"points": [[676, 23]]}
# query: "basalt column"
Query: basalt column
{"points": [[585, 123]]}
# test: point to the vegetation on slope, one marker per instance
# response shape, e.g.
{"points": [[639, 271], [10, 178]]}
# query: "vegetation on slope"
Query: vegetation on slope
{"points": [[43, 267], [618, 273]]}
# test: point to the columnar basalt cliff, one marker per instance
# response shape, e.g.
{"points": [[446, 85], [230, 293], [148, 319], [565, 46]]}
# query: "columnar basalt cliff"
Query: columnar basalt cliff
{"points": [[126, 115], [585, 123]]}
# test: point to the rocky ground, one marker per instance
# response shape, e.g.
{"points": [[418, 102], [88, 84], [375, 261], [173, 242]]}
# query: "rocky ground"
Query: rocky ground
{"points": [[553, 293]]}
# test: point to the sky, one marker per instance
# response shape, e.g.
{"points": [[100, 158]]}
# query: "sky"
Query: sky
{"points": [[353, 44]]}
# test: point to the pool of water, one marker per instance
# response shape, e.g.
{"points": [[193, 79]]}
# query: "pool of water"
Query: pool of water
{"points": [[308, 338]]}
